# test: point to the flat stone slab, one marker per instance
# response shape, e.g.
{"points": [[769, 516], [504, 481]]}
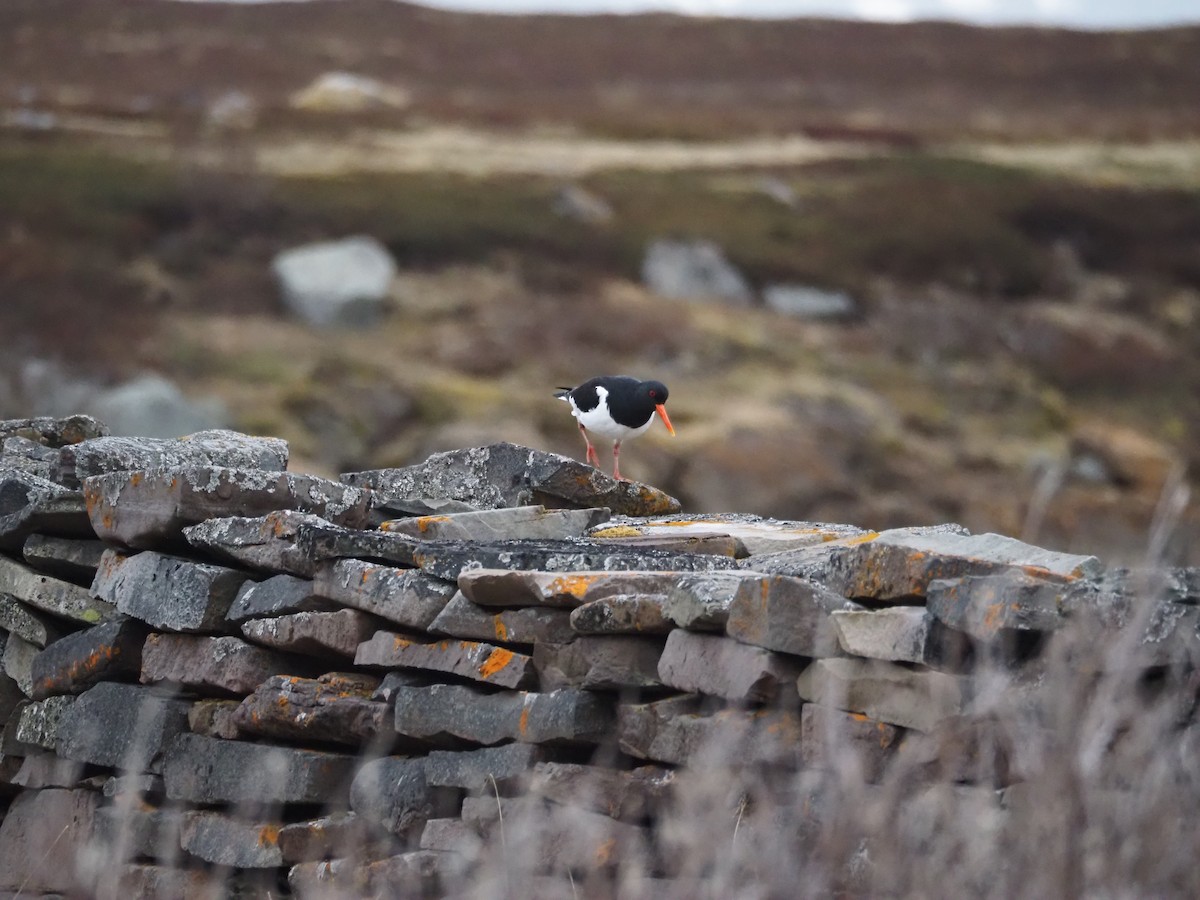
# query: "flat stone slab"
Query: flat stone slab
{"points": [[788, 615], [207, 770], [701, 601], [43, 836], [321, 541], [168, 592], [30, 504], [394, 793], [503, 474], [569, 717], [148, 509], [265, 543], [72, 664], [831, 739], [595, 663], [897, 634], [679, 730], [983, 606], [280, 595], [755, 533], [528, 625], [72, 559], [40, 770], [123, 726], [711, 543], [51, 431], [557, 589], [722, 667], [220, 665], [630, 795], [405, 596], [101, 455], [331, 709], [19, 655], [523, 522], [481, 771], [214, 718], [23, 455], [477, 661], [314, 633], [623, 614], [59, 598], [138, 829], [884, 691], [228, 841], [326, 837], [420, 871], [32, 626], [39, 723]]}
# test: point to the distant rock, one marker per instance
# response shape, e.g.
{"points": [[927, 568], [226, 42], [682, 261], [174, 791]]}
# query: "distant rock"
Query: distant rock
{"points": [[1123, 456], [806, 302], [694, 270], [153, 406], [347, 92], [341, 282], [581, 205]]}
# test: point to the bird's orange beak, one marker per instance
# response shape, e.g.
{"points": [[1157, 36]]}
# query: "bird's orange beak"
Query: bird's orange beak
{"points": [[662, 414]]}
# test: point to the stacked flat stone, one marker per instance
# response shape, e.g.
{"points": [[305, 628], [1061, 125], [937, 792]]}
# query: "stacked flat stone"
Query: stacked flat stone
{"points": [[221, 672]]}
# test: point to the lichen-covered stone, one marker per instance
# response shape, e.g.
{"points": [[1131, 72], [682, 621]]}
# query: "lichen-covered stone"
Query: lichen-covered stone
{"points": [[31, 504], [54, 432], [789, 615], [521, 522], [721, 667], [228, 841], [108, 652], [623, 614], [221, 665], [59, 598], [485, 663], [560, 589], [314, 633], [328, 709], [266, 543], [503, 474], [280, 595], [528, 625], [701, 601], [984, 606], [123, 726], [103, 454], [148, 509], [168, 592], [405, 596], [19, 619], [40, 723]]}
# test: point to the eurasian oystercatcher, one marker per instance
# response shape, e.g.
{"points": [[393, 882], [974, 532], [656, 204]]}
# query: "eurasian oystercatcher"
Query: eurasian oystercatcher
{"points": [[618, 407]]}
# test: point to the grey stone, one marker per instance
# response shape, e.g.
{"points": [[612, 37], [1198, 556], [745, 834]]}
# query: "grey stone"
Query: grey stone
{"points": [[101, 455], [404, 596], [481, 771], [30, 625], [154, 406], [43, 839], [694, 270], [702, 601], [722, 667], [711, 543], [207, 770], [41, 769], [131, 830], [19, 619], [394, 793], [628, 795], [504, 474], [40, 722], [607, 663], [214, 718], [148, 880], [561, 717], [314, 633], [168, 592], [477, 661], [279, 595], [622, 614], [332, 708], [227, 841], [30, 504], [265, 543], [11, 695], [803, 301], [562, 589], [122, 726], [344, 282], [757, 534], [790, 615], [138, 784], [420, 871], [985, 606], [521, 522], [72, 559], [835, 740], [54, 432], [59, 598], [450, 835], [210, 664], [529, 625], [884, 691], [323, 541], [898, 633], [401, 678], [148, 509], [108, 652], [680, 731], [23, 455], [18, 662], [324, 837]]}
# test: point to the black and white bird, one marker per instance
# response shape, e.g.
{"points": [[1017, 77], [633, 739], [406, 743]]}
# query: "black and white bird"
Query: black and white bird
{"points": [[617, 407]]}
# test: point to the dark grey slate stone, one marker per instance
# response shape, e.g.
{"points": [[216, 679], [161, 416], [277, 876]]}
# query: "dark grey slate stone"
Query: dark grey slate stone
{"points": [[319, 634], [628, 795], [32, 626], [405, 596], [23, 455], [702, 601], [529, 625], [885, 691], [722, 667], [600, 663], [72, 559], [42, 837], [108, 652], [210, 665], [123, 726], [623, 614], [394, 793], [228, 841], [789, 615], [59, 598], [54, 432], [485, 663], [40, 723], [564, 589], [168, 592], [279, 595], [334, 709], [139, 830], [265, 543], [18, 662], [478, 771], [30, 504]]}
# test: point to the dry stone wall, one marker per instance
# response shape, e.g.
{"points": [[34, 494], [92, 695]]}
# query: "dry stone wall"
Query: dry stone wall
{"points": [[498, 671]]}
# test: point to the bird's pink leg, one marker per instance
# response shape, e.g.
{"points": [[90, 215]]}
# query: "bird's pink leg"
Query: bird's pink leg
{"points": [[616, 461], [592, 458]]}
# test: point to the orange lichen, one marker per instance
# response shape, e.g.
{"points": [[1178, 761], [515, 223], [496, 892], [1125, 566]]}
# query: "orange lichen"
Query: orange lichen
{"points": [[501, 628], [573, 585], [523, 723], [495, 662], [424, 523], [268, 836]]}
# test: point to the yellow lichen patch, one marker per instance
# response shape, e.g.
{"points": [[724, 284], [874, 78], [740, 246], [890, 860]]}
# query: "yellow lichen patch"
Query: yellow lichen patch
{"points": [[501, 628], [497, 660], [268, 836], [573, 585], [859, 717], [862, 538], [399, 643], [425, 522], [617, 531]]}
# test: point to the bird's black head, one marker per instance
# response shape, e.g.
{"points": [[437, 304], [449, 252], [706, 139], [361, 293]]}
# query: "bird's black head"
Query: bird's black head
{"points": [[654, 391]]}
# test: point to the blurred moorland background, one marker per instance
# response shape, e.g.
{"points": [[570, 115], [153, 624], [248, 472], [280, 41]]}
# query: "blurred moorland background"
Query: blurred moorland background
{"points": [[893, 274]]}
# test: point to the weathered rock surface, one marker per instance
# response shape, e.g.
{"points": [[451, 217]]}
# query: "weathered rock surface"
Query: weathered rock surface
{"points": [[480, 771], [314, 633], [71, 665], [44, 837], [214, 718], [227, 841], [280, 595], [138, 829], [393, 792], [520, 522], [266, 543], [220, 665], [631, 795], [19, 619], [983, 606], [563, 589], [168, 592], [898, 634], [123, 726], [503, 474], [148, 509], [39, 723], [623, 614], [72, 559], [404, 596], [720, 667], [884, 691], [600, 663], [31, 504], [343, 282], [59, 598], [477, 661], [18, 662], [207, 770], [468, 713], [528, 625], [229, 449], [790, 615], [54, 432]]}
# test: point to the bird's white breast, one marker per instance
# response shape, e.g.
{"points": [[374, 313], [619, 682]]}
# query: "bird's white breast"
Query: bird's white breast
{"points": [[600, 421]]}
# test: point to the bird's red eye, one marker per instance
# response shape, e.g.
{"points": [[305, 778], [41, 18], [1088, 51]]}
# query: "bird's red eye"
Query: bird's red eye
{"points": [[654, 393]]}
